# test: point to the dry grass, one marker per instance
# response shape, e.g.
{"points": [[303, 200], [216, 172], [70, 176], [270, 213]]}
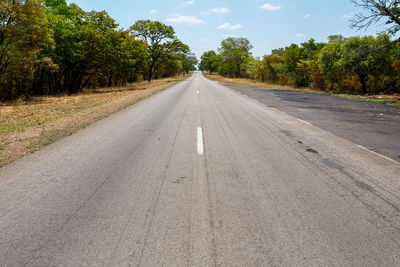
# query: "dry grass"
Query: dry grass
{"points": [[392, 100], [27, 127], [254, 83]]}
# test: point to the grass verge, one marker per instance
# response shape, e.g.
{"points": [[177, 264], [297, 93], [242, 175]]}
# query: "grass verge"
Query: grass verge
{"points": [[26, 127], [392, 100]]}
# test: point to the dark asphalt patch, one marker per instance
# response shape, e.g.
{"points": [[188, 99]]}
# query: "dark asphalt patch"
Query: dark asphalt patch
{"points": [[312, 151], [179, 180], [357, 121]]}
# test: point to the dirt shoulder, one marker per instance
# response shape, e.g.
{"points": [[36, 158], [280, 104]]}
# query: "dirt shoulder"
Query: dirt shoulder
{"points": [[27, 127], [384, 99]]}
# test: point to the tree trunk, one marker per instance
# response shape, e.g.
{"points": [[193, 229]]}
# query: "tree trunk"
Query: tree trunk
{"points": [[363, 80], [150, 74], [40, 86], [110, 79], [66, 81]]}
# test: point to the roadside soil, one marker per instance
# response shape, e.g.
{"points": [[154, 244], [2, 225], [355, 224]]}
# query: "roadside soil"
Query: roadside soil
{"points": [[25, 127]]}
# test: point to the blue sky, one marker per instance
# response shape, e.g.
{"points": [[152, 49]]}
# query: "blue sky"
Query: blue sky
{"points": [[203, 24]]}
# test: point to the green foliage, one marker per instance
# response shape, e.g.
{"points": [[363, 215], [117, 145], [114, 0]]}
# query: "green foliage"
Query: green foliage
{"points": [[293, 65], [355, 64], [51, 47], [189, 62], [22, 30], [360, 65], [162, 43], [269, 69], [234, 53], [250, 66], [210, 61]]}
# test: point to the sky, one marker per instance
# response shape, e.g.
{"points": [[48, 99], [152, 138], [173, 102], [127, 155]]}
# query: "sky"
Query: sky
{"points": [[203, 24]]}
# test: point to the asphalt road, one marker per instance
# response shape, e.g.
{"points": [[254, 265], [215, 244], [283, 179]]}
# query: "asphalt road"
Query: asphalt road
{"points": [[199, 175], [373, 125]]}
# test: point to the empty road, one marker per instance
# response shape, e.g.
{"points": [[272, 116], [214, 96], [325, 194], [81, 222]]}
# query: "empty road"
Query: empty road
{"points": [[199, 175]]}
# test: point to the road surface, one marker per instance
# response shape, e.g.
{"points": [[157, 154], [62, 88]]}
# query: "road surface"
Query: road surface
{"points": [[199, 175], [373, 125]]}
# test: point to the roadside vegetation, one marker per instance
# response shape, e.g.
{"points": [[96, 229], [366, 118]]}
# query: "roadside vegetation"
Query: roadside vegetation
{"points": [[63, 68], [28, 126], [391, 100], [52, 48], [360, 65]]}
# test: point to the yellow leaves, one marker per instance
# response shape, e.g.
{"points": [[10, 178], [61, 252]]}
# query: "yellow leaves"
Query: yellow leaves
{"points": [[353, 82], [396, 65]]}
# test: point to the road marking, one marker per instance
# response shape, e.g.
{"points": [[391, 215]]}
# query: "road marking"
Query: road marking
{"points": [[380, 155], [200, 146], [198, 92], [305, 122], [274, 109]]}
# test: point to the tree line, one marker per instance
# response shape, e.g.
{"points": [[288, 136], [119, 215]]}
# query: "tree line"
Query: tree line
{"points": [[51, 47], [342, 64], [357, 65]]}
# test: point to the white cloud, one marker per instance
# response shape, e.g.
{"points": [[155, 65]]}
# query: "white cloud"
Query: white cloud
{"points": [[189, 20], [227, 26], [270, 7], [205, 13], [219, 10], [204, 40], [189, 2], [300, 35], [307, 16], [153, 11], [223, 26], [236, 27]]}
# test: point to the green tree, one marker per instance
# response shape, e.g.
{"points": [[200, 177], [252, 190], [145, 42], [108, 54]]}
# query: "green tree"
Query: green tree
{"points": [[22, 30], [310, 51], [235, 52], [209, 61], [294, 72], [328, 60], [268, 68], [299, 61], [189, 62], [85, 44], [250, 67], [348, 64], [355, 58], [50, 46], [161, 41]]}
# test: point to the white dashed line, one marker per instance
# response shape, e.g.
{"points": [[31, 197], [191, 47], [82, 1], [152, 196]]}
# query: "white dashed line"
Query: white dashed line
{"points": [[380, 155], [200, 146], [305, 122], [198, 92]]}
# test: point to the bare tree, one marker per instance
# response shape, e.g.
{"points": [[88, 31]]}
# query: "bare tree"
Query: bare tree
{"points": [[375, 11]]}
